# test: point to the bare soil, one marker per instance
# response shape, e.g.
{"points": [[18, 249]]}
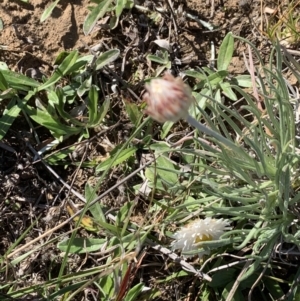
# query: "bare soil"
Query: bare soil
{"points": [[27, 43]]}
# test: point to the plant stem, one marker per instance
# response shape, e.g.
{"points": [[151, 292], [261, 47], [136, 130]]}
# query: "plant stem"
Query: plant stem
{"points": [[202, 128]]}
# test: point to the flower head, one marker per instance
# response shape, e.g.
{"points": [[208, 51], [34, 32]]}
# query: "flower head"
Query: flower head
{"points": [[168, 98], [189, 236]]}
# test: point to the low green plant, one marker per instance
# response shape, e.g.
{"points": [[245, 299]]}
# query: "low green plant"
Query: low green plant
{"points": [[80, 93], [253, 183], [161, 58], [218, 83], [249, 177]]}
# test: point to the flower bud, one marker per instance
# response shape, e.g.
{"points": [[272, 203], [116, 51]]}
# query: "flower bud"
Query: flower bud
{"points": [[168, 99]]}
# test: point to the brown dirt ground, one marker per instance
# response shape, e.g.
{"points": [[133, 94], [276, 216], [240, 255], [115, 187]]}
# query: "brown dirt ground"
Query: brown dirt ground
{"points": [[28, 190], [26, 42]]}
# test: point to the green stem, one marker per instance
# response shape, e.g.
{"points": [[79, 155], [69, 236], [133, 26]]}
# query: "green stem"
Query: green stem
{"points": [[202, 128]]}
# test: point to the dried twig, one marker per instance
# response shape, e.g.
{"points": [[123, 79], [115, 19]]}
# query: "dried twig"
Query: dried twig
{"points": [[173, 17], [237, 281]]}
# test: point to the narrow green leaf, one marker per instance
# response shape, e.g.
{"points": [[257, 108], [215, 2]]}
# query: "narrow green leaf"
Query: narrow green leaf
{"points": [[160, 147], [3, 66], [217, 96], [61, 70], [166, 171], [274, 288], [107, 58], [195, 74], [156, 59], [84, 87], [93, 104], [123, 156], [129, 4], [113, 22], [96, 210], [123, 213], [8, 94], [3, 82], [60, 57], [96, 13], [79, 65], [166, 129], [103, 111], [47, 12], [57, 158], [9, 116], [243, 81], [82, 245], [133, 112], [19, 81], [134, 292], [45, 119], [226, 52], [119, 7], [159, 70], [227, 90], [58, 100], [217, 77], [107, 287], [208, 70]]}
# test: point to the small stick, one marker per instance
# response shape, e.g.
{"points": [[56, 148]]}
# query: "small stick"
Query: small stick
{"points": [[173, 17], [237, 282]]}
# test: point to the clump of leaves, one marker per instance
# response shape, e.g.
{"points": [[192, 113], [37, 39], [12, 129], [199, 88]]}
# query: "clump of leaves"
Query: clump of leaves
{"points": [[68, 110], [218, 83], [254, 184]]}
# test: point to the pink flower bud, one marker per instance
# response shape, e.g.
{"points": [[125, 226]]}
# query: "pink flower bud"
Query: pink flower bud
{"points": [[168, 99]]}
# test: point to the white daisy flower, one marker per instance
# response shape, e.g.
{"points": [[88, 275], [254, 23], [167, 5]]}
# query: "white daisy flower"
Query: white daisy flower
{"points": [[188, 237]]}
